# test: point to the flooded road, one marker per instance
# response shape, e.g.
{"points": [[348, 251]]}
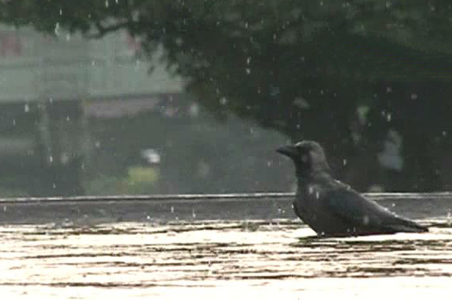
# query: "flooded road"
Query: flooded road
{"points": [[219, 260]]}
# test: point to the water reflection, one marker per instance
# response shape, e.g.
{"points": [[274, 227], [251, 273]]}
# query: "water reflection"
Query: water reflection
{"points": [[246, 252], [370, 85]]}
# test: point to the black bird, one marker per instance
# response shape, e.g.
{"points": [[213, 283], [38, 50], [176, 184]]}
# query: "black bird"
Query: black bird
{"points": [[333, 208]]}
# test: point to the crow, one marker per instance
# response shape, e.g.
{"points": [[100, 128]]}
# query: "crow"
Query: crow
{"points": [[332, 208]]}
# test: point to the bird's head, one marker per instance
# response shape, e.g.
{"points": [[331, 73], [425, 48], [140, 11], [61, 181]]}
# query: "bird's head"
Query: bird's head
{"points": [[308, 156]]}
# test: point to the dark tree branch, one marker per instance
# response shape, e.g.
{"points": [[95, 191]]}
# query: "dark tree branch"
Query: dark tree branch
{"points": [[102, 30]]}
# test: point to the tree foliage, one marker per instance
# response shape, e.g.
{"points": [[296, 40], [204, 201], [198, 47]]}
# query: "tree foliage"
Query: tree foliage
{"points": [[302, 67]]}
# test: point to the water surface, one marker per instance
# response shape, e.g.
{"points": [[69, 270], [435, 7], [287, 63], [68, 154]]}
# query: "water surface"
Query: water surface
{"points": [[221, 259]]}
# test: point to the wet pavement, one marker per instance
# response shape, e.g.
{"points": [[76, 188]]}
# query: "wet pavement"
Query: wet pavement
{"points": [[93, 255], [196, 260]]}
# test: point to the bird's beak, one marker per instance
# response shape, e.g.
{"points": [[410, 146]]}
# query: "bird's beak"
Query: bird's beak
{"points": [[287, 150]]}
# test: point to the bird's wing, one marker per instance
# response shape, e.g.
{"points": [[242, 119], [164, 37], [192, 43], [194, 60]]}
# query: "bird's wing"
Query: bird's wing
{"points": [[358, 211]]}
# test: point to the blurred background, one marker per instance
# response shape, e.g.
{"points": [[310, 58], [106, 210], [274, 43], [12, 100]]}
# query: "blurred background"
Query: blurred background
{"points": [[112, 97]]}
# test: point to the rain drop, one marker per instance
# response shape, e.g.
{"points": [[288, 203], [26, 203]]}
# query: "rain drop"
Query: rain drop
{"points": [[26, 108], [366, 220], [57, 28], [413, 96]]}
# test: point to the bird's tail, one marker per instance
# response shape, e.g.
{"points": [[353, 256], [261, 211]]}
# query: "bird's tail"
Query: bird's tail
{"points": [[405, 225]]}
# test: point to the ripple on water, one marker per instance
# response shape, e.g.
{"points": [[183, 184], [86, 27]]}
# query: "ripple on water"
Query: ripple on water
{"points": [[212, 254]]}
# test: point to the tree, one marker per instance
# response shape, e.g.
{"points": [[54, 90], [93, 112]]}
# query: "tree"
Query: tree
{"points": [[301, 67]]}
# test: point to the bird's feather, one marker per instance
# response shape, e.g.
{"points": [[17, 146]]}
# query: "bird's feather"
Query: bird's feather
{"points": [[359, 211]]}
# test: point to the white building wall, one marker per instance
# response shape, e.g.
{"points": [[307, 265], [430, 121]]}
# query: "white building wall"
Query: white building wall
{"points": [[36, 67]]}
